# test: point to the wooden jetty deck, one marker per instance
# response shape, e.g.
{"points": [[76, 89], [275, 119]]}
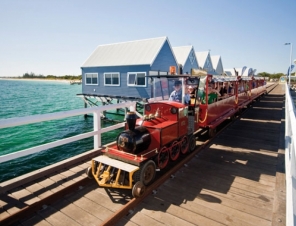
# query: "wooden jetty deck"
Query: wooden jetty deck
{"points": [[238, 179]]}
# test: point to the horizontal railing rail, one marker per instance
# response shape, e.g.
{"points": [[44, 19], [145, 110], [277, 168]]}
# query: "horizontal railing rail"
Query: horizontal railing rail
{"points": [[96, 133], [290, 158]]}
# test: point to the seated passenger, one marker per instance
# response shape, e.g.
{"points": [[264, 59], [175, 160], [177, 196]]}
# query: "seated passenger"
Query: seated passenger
{"points": [[191, 91], [176, 95], [190, 96], [223, 90], [230, 89], [212, 95]]}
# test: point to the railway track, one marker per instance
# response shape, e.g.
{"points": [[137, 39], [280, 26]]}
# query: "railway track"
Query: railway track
{"points": [[33, 201]]}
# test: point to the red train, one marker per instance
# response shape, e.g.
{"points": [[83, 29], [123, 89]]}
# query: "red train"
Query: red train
{"points": [[167, 128]]}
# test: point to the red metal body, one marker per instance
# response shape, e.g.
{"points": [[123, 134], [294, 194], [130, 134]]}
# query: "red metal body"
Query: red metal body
{"points": [[168, 126], [244, 92]]}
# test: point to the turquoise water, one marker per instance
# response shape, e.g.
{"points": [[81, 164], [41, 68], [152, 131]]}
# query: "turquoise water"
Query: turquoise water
{"points": [[24, 98]]}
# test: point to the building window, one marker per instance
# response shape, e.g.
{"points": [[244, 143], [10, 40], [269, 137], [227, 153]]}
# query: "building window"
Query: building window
{"points": [[91, 78], [136, 79], [112, 79]]}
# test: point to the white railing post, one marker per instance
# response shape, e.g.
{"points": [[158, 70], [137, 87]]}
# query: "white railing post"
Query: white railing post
{"points": [[97, 129]]}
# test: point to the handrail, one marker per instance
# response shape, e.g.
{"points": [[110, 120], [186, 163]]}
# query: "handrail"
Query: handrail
{"points": [[290, 158], [96, 133]]}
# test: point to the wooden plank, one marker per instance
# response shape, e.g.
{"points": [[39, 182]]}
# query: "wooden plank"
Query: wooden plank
{"points": [[125, 222], [35, 220], [103, 200], [214, 204], [261, 154], [38, 190], [88, 205], [224, 172], [173, 214], [202, 215], [3, 214], [19, 181], [239, 169], [248, 197], [56, 218], [250, 155], [139, 218], [76, 213], [24, 196], [193, 190], [221, 156], [10, 205]]}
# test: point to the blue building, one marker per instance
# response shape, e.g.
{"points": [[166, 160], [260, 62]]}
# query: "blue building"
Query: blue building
{"points": [[185, 56], [121, 69], [205, 62]]}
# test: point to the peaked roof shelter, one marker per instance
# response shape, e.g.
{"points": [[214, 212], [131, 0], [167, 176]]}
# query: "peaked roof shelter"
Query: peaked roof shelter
{"points": [[217, 64], [204, 61], [186, 59], [140, 52]]}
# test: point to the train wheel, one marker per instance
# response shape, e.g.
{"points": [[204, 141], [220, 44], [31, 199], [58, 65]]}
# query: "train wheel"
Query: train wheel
{"points": [[192, 143], [148, 172], [184, 145], [163, 158], [174, 151], [88, 172], [138, 189], [212, 132]]}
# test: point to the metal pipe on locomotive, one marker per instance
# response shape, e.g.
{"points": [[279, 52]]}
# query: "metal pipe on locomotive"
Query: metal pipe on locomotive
{"points": [[167, 129]]}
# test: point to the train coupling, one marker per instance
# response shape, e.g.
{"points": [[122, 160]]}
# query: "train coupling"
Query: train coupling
{"points": [[111, 172]]}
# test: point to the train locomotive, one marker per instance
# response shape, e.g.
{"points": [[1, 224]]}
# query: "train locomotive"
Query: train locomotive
{"points": [[167, 129]]}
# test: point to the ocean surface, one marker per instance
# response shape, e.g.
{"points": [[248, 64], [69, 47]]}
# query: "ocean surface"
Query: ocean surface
{"points": [[20, 98]]}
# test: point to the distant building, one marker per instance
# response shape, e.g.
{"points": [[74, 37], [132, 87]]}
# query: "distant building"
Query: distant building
{"points": [[186, 59], [204, 61], [120, 69], [217, 64]]}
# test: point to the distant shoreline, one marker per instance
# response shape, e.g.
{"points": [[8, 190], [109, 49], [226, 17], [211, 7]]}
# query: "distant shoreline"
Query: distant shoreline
{"points": [[41, 80]]}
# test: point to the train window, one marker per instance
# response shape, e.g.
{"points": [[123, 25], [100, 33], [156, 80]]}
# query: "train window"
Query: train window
{"points": [[192, 81], [174, 110], [147, 107]]}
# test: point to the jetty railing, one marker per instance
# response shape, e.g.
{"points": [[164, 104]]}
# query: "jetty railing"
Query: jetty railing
{"points": [[96, 133], [290, 158]]}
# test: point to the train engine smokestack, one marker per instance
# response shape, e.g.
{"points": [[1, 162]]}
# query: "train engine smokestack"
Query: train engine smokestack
{"points": [[133, 140], [131, 119]]}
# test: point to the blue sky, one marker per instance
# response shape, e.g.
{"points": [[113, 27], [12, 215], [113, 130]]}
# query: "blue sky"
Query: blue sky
{"points": [[56, 37]]}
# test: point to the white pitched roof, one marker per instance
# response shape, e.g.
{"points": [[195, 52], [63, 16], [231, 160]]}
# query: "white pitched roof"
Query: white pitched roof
{"points": [[230, 71], [182, 53], [215, 61], [201, 58], [140, 52]]}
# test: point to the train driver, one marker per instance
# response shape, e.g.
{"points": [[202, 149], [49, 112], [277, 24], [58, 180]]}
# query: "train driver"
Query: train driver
{"points": [[176, 95]]}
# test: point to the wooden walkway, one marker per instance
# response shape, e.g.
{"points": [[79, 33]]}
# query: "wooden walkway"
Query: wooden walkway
{"points": [[238, 179]]}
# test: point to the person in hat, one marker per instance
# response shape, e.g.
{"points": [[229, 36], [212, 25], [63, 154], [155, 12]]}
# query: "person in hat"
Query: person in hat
{"points": [[176, 95], [190, 95]]}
